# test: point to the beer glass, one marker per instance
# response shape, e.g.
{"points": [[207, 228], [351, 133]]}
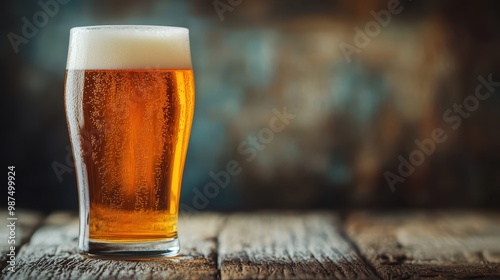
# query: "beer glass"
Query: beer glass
{"points": [[129, 100]]}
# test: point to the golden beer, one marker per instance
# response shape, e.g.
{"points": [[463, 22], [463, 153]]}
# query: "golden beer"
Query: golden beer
{"points": [[130, 131]]}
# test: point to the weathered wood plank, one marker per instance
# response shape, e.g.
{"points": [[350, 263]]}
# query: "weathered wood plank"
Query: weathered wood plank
{"points": [[287, 245], [429, 244], [52, 254], [26, 222]]}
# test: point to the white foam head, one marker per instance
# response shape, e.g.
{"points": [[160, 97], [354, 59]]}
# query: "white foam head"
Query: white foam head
{"points": [[129, 47]]}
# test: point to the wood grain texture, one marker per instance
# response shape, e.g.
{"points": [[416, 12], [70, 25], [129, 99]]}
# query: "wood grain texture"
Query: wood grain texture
{"points": [[443, 245], [287, 246], [52, 254], [26, 223]]}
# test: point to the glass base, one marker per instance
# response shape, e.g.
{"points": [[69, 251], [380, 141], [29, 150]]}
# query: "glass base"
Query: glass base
{"points": [[131, 251]]}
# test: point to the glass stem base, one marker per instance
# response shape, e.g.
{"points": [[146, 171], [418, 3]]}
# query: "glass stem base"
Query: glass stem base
{"points": [[132, 250]]}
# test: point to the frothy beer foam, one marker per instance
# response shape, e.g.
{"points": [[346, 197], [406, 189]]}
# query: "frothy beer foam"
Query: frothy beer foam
{"points": [[129, 47]]}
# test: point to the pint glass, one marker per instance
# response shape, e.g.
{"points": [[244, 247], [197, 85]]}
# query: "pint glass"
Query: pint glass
{"points": [[129, 98]]}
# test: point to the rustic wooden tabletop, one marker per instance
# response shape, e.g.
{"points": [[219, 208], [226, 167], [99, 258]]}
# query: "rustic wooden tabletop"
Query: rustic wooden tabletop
{"points": [[276, 245]]}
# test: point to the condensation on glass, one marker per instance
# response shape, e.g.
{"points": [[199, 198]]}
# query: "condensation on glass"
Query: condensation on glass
{"points": [[129, 98]]}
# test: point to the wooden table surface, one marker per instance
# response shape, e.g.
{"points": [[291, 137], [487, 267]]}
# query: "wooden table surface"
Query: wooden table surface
{"points": [[277, 245]]}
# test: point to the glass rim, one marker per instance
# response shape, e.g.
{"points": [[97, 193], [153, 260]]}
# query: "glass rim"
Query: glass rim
{"points": [[127, 27]]}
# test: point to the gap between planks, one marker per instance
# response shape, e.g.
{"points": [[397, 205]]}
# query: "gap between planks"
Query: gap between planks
{"points": [[52, 254], [429, 244], [288, 245], [294, 245]]}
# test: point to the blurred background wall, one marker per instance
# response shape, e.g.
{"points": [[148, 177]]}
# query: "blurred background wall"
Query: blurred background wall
{"points": [[361, 92]]}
